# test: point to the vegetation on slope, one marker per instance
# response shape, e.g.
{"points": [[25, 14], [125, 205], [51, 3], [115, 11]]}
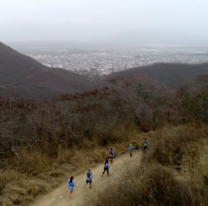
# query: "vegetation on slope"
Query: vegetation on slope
{"points": [[39, 142], [173, 172], [22, 75], [164, 73]]}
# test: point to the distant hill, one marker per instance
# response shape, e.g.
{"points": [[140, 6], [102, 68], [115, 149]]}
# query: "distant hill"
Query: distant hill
{"points": [[155, 37], [95, 35], [165, 73], [21, 75]]}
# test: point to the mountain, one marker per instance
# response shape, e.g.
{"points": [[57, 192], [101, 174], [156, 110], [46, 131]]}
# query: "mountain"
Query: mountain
{"points": [[96, 35], [155, 37], [21, 75], [165, 73], [54, 31]]}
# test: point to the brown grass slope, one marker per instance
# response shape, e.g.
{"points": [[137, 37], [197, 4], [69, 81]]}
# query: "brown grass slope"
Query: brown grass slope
{"points": [[41, 142], [29, 79], [165, 73], [173, 172]]}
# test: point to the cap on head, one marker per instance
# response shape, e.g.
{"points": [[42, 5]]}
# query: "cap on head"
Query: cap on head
{"points": [[90, 170], [130, 144]]}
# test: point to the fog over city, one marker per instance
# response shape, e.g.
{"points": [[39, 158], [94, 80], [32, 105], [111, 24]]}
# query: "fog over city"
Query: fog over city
{"points": [[97, 37], [81, 20]]}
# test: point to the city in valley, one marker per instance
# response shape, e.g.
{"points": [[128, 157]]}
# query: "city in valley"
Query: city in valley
{"points": [[99, 62]]}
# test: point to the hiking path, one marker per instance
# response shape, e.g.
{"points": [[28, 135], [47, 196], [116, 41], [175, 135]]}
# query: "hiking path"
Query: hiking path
{"points": [[59, 196]]}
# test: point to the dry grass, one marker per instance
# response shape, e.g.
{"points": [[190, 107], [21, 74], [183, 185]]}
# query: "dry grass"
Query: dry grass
{"points": [[174, 145], [19, 189], [173, 172], [150, 185], [38, 173]]}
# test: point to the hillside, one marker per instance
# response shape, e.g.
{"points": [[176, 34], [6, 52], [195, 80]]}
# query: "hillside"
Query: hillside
{"points": [[42, 144], [29, 79], [165, 73]]}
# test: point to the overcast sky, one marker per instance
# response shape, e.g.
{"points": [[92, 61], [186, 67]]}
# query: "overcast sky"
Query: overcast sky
{"points": [[19, 16]]}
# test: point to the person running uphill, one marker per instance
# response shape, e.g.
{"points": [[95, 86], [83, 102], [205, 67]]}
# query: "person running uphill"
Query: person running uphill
{"points": [[106, 167], [89, 178], [111, 155], [71, 184], [131, 148], [146, 144]]}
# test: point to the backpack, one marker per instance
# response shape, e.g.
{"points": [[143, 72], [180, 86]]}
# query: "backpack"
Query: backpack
{"points": [[88, 174]]}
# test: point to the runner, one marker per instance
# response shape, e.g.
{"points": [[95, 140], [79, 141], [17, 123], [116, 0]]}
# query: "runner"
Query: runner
{"points": [[106, 167], [131, 148], [71, 184], [146, 144], [89, 178], [111, 155]]}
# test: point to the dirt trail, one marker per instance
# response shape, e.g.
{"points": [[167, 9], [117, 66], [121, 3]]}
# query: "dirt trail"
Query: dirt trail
{"points": [[59, 197]]}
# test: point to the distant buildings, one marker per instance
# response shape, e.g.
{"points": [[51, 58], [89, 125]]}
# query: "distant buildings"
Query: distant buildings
{"points": [[99, 63]]}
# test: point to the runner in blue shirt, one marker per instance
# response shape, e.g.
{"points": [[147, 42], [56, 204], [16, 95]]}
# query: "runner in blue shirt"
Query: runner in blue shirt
{"points": [[71, 184], [89, 178], [106, 166], [146, 144], [131, 148], [111, 155]]}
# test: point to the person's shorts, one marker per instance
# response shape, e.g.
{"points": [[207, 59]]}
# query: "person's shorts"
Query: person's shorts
{"points": [[71, 188], [87, 181], [145, 147]]}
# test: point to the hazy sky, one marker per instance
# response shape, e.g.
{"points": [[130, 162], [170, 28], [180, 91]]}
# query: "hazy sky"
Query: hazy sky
{"points": [[112, 16]]}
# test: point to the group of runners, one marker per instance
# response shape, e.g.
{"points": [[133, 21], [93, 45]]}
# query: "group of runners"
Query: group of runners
{"points": [[72, 183]]}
